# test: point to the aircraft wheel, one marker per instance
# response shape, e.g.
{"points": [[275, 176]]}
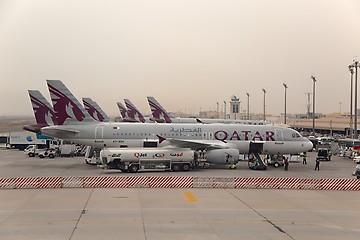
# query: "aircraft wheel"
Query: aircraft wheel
{"points": [[186, 167], [31, 155], [175, 167]]}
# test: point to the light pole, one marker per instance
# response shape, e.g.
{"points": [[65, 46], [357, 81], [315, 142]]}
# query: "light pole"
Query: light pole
{"points": [[248, 100], [285, 87], [351, 69], [313, 115], [356, 66], [264, 103], [224, 109], [217, 110], [340, 107]]}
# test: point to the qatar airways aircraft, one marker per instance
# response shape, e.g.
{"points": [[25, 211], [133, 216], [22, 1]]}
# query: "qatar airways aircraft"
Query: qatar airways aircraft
{"points": [[75, 124]]}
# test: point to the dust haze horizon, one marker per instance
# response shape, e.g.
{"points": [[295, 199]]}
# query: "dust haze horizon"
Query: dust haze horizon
{"points": [[188, 54]]}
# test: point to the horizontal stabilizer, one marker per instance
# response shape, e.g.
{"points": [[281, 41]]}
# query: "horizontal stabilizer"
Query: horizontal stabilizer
{"points": [[59, 132]]}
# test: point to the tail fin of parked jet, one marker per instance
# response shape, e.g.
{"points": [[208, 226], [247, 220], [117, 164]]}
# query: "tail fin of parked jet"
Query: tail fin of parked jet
{"points": [[67, 108], [43, 111], [133, 112], [94, 110], [124, 113], [158, 112]]}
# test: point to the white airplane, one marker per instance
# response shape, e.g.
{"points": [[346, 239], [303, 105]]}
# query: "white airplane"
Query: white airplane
{"points": [[79, 127], [161, 115], [95, 110]]}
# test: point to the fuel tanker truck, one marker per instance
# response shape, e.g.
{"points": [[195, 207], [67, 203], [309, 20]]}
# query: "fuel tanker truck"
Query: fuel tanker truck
{"points": [[174, 159], [135, 159]]}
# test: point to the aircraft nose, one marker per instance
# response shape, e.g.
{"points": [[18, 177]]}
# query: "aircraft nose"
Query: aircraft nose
{"points": [[307, 145]]}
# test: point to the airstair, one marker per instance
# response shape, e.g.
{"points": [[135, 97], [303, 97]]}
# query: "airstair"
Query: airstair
{"points": [[257, 163]]}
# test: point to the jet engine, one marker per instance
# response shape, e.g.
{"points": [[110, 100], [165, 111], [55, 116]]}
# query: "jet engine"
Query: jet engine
{"points": [[222, 156]]}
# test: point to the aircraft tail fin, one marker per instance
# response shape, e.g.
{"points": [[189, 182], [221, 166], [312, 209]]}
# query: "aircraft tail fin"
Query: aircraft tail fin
{"points": [[158, 112], [67, 108], [133, 112], [43, 111], [125, 114], [123, 110], [95, 110]]}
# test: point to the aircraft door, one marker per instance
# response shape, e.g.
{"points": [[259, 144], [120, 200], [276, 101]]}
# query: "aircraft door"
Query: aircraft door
{"points": [[279, 136], [256, 147], [99, 133]]}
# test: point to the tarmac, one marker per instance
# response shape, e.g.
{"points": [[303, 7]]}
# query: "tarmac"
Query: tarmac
{"points": [[176, 213]]}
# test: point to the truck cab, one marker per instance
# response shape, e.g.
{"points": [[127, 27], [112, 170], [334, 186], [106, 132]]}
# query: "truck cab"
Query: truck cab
{"points": [[32, 150]]}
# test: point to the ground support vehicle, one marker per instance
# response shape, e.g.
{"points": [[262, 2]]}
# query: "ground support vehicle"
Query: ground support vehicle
{"points": [[155, 159], [255, 162], [357, 159], [4, 140], [33, 150], [50, 153], [276, 160], [92, 155], [63, 148], [323, 154], [357, 171], [20, 140]]}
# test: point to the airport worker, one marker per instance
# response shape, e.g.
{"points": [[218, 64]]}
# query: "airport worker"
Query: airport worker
{"points": [[286, 163], [58, 152], [233, 166], [329, 154], [304, 158], [317, 164]]}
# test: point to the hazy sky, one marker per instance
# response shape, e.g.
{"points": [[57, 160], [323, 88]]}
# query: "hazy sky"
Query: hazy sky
{"points": [[189, 54]]}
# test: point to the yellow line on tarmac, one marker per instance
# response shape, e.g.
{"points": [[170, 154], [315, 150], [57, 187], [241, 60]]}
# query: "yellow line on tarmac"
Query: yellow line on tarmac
{"points": [[190, 197]]}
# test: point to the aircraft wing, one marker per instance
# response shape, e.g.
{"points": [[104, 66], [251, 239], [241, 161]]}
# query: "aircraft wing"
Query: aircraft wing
{"points": [[194, 144]]}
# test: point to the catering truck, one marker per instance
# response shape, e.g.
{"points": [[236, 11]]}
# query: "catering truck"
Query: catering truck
{"points": [[20, 140], [135, 159]]}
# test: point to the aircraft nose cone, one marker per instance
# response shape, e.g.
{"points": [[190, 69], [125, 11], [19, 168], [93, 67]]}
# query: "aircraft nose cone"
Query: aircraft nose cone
{"points": [[308, 145]]}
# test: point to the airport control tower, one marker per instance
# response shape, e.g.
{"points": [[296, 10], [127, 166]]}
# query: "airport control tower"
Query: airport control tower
{"points": [[235, 107]]}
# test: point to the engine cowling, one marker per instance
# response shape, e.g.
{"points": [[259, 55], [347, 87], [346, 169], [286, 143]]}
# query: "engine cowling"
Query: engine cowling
{"points": [[222, 156]]}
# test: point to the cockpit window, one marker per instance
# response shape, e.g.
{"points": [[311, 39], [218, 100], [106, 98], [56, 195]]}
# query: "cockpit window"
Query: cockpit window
{"points": [[296, 135]]}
